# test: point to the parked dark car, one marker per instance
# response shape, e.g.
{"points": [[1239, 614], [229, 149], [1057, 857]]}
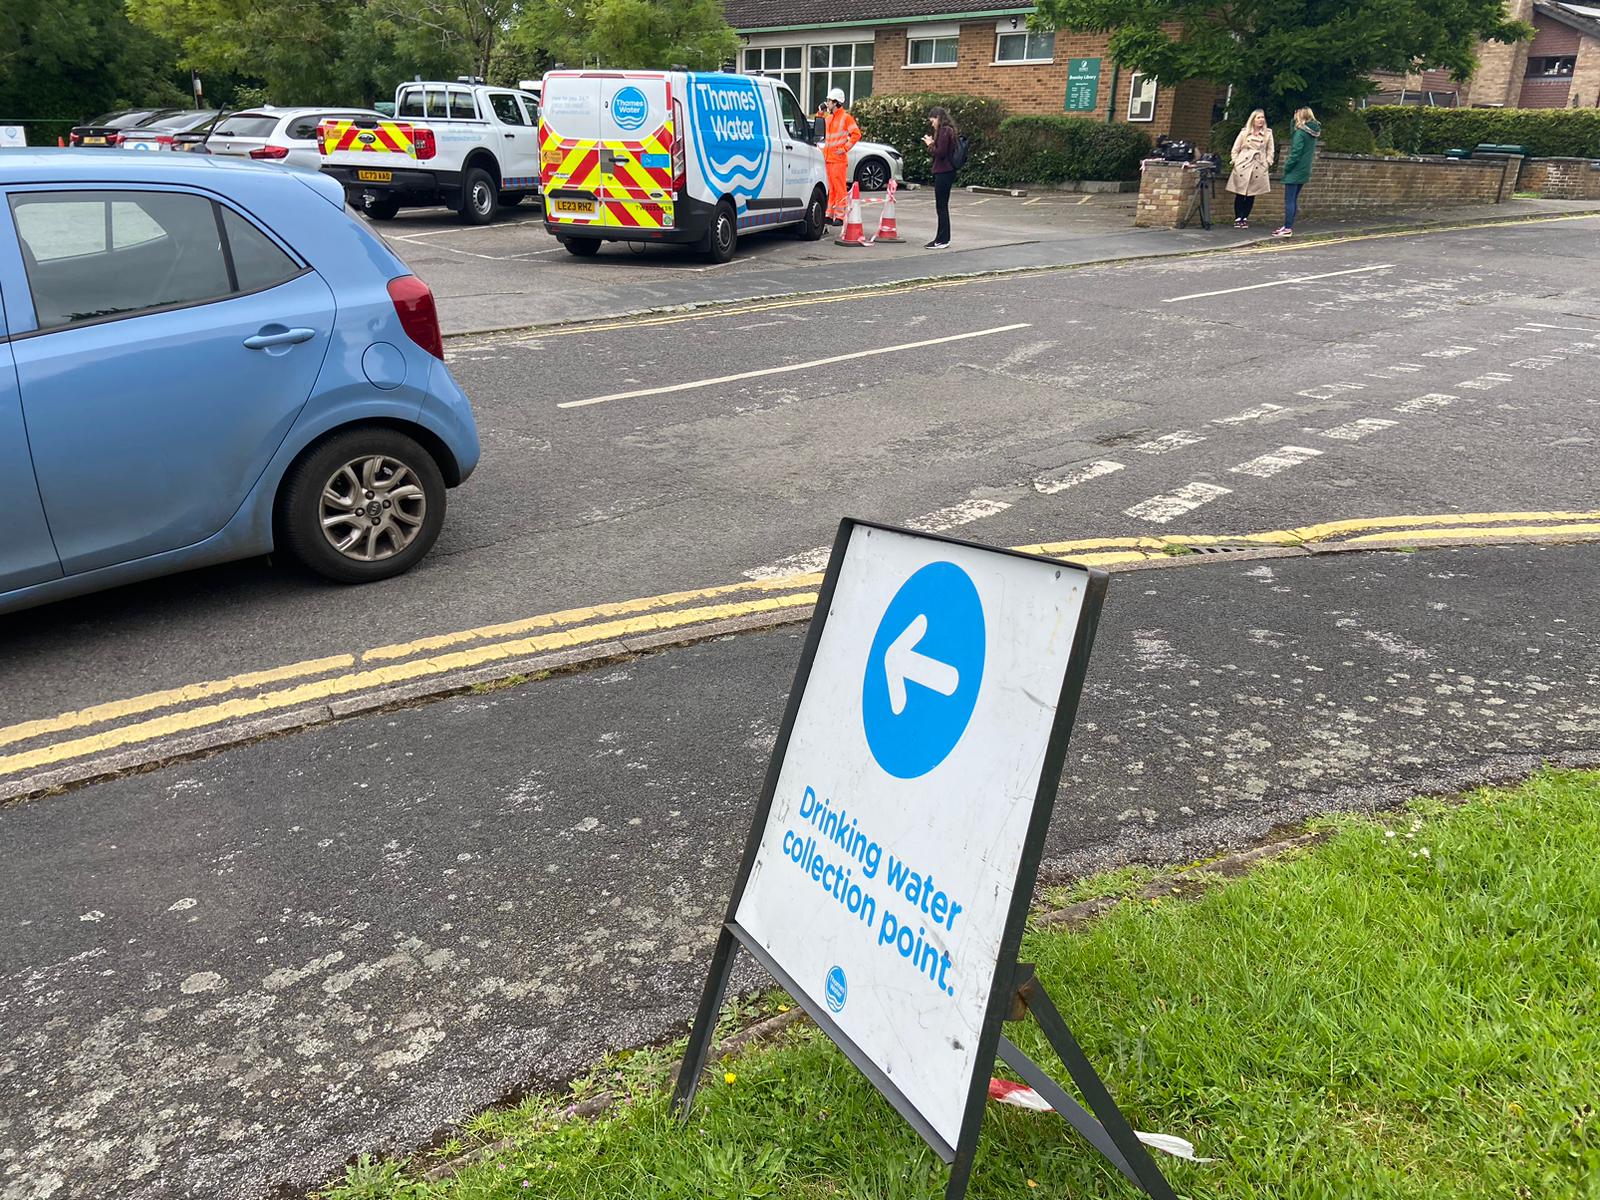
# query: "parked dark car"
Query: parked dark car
{"points": [[107, 129], [178, 132]]}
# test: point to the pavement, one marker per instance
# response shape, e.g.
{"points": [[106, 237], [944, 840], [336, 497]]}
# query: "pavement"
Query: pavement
{"points": [[1254, 391], [225, 977], [512, 274]]}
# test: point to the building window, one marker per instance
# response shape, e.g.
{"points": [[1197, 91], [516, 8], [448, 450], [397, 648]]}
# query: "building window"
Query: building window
{"points": [[847, 66], [1142, 97], [932, 51], [1551, 67], [1025, 46], [780, 62]]}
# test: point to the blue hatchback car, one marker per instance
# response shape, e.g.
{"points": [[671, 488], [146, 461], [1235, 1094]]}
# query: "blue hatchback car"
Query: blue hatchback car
{"points": [[203, 360]]}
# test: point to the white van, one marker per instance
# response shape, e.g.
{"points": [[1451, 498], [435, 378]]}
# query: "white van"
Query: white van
{"points": [[675, 156]]}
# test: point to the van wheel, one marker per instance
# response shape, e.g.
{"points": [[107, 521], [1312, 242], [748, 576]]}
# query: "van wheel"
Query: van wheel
{"points": [[364, 505], [380, 210], [582, 247], [814, 225], [480, 200], [723, 236]]}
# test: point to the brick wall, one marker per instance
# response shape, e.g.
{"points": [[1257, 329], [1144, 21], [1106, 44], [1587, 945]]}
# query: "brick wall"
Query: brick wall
{"points": [[1561, 178], [1498, 80], [1036, 88], [1586, 76], [1341, 185]]}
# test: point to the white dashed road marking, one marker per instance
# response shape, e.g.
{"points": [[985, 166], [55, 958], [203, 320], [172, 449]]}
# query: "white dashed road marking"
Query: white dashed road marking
{"points": [[1049, 485], [1354, 431], [1161, 509], [1176, 440], [1451, 352], [1277, 283], [1249, 414], [1484, 382], [1423, 403], [1328, 391], [957, 514], [1265, 466], [1538, 362]]}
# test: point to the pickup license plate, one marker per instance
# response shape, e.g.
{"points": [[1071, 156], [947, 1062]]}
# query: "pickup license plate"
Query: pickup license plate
{"points": [[94, 141], [375, 176], [580, 208]]}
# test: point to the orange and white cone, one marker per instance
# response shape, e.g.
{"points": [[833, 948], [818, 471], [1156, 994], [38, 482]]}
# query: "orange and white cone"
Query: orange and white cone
{"points": [[887, 232], [854, 234]]}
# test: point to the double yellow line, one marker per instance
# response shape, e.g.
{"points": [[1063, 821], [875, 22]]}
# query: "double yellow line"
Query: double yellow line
{"points": [[153, 716]]}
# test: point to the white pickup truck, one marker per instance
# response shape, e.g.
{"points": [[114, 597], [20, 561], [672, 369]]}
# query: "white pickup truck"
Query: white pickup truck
{"points": [[463, 145]]}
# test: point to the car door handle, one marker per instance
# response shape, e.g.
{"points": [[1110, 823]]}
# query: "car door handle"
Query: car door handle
{"points": [[509, 135], [280, 337]]}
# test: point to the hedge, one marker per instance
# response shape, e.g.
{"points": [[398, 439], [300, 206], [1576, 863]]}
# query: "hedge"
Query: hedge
{"points": [[1056, 148], [1004, 150], [1547, 133], [902, 120]]}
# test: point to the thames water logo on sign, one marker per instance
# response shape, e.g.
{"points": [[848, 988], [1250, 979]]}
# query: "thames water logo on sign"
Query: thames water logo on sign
{"points": [[732, 144], [924, 671], [836, 990], [629, 109]]}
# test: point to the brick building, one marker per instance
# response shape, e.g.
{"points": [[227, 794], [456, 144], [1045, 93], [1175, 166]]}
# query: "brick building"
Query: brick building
{"points": [[1559, 68], [893, 47]]}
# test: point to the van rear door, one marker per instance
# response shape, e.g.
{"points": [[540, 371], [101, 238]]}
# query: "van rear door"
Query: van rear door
{"points": [[635, 152], [569, 142]]}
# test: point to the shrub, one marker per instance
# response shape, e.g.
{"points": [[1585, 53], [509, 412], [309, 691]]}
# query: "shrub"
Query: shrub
{"points": [[1547, 133], [1057, 148], [1347, 133], [902, 120]]}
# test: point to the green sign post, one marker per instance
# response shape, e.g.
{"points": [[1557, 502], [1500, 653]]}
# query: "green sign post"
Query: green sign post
{"points": [[1083, 84]]}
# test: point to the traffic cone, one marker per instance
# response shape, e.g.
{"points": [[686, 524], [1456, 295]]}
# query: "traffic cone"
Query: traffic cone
{"points": [[853, 235], [886, 227], [61, 142]]}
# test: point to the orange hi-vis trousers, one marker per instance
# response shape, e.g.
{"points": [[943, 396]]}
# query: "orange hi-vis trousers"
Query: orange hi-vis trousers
{"points": [[838, 188]]}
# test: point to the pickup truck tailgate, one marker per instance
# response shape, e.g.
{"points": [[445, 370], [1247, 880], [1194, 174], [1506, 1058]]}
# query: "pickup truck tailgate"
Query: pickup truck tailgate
{"points": [[366, 143]]}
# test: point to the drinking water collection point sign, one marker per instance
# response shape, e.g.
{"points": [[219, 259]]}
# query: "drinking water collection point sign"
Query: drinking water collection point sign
{"points": [[891, 861]]}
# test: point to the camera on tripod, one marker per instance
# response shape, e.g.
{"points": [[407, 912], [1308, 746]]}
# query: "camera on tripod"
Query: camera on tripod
{"points": [[1174, 150]]}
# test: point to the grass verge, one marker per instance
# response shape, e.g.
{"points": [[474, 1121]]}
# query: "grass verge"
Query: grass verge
{"points": [[1408, 1010]]}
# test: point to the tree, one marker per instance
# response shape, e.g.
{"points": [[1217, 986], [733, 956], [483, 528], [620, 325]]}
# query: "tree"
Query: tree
{"points": [[1280, 54], [63, 61], [640, 34]]}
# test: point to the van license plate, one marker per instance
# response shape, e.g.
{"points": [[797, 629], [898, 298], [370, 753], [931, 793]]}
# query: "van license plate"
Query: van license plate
{"points": [[375, 176], [580, 208]]}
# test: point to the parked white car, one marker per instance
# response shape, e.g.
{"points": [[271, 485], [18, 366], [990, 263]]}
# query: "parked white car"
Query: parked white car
{"points": [[281, 135], [873, 164]]}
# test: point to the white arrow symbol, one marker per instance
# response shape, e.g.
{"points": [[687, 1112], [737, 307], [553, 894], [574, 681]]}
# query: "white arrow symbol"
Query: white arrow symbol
{"points": [[902, 662]]}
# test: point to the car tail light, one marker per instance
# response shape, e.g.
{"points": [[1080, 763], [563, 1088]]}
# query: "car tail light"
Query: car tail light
{"points": [[163, 139], [423, 143], [75, 138], [114, 139], [322, 138], [680, 175], [413, 304], [270, 152]]}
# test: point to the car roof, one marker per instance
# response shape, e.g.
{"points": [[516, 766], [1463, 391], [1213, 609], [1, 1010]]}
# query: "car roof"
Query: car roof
{"points": [[53, 165]]}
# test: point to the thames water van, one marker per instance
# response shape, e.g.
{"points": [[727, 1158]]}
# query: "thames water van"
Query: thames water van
{"points": [[675, 156]]}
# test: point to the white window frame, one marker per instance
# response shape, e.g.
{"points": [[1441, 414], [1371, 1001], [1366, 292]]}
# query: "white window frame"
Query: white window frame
{"points": [[933, 33], [1137, 82], [1018, 27]]}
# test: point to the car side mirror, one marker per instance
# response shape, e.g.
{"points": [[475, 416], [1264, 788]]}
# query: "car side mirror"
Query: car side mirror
{"points": [[819, 128]]}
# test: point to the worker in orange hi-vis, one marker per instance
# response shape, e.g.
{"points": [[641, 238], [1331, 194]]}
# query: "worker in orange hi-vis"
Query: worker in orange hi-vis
{"points": [[842, 134]]}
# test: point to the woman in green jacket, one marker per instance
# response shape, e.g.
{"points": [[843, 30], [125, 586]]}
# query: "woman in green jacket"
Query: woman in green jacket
{"points": [[1297, 167]]}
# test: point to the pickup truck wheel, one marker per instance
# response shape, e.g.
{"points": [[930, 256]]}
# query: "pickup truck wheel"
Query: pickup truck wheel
{"points": [[480, 200], [380, 210], [814, 225], [723, 236], [511, 199], [582, 247]]}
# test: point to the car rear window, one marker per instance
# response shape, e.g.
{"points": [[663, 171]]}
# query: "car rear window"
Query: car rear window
{"points": [[246, 125], [95, 255]]}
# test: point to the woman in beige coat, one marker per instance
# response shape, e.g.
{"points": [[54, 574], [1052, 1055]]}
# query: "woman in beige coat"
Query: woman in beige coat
{"points": [[1253, 154]]}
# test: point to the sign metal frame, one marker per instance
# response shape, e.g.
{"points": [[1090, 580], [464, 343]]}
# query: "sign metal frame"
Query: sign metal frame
{"points": [[1014, 991]]}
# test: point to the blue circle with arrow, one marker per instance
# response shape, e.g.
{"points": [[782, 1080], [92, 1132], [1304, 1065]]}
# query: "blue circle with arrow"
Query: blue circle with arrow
{"points": [[924, 671]]}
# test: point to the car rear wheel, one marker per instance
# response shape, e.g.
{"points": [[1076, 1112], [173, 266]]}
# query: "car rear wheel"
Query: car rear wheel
{"points": [[380, 210], [582, 247], [480, 199], [814, 225], [366, 504], [873, 175], [723, 236]]}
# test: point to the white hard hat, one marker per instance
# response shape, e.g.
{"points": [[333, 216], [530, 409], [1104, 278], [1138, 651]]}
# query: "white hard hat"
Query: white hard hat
{"points": [[836, 94]]}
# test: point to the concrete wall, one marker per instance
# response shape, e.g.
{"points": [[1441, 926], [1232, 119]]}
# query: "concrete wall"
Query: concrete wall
{"points": [[1561, 178], [1341, 184]]}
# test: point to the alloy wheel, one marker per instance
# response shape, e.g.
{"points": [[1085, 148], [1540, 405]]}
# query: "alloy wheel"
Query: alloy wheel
{"points": [[372, 508]]}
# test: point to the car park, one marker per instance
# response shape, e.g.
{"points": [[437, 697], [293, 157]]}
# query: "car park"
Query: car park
{"points": [[287, 136], [465, 146], [107, 130], [165, 132], [204, 360]]}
